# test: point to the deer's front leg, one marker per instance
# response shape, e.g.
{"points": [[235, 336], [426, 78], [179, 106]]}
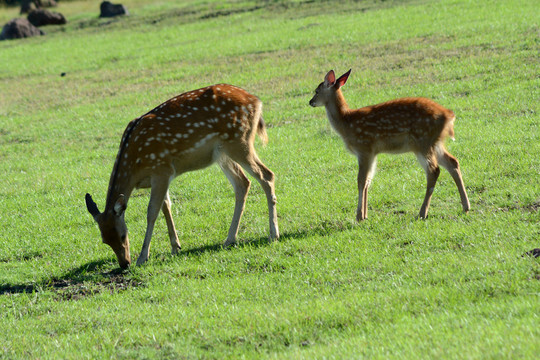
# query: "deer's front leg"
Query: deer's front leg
{"points": [[431, 167], [160, 186], [366, 168]]}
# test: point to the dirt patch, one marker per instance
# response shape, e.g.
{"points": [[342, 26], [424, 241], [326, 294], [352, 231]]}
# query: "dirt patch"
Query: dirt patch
{"points": [[220, 13], [532, 207], [74, 289]]}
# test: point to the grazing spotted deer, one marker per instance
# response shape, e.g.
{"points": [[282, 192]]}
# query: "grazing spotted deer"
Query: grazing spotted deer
{"points": [[189, 132], [416, 125]]}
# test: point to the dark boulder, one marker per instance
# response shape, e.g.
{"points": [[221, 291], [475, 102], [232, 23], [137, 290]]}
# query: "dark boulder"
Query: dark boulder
{"points": [[19, 28], [29, 5], [109, 9], [41, 17]]}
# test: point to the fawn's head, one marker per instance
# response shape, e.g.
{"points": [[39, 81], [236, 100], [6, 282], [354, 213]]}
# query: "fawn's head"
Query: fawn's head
{"points": [[326, 91], [113, 228]]}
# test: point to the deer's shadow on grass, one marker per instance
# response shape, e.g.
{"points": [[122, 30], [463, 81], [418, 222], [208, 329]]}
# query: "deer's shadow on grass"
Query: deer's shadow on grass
{"points": [[77, 283], [322, 229], [95, 277]]}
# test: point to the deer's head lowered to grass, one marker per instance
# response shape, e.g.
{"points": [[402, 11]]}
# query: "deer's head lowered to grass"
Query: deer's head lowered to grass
{"points": [[188, 132]]}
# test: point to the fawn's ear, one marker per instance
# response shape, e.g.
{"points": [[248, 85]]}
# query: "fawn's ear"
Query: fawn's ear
{"points": [[330, 79], [343, 79]]}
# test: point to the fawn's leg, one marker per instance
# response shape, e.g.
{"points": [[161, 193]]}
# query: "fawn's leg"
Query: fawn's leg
{"points": [[451, 164], [429, 163], [366, 170]]}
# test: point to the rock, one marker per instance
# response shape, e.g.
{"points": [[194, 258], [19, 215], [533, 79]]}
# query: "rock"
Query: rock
{"points": [[19, 28], [29, 5], [41, 17], [109, 9]]}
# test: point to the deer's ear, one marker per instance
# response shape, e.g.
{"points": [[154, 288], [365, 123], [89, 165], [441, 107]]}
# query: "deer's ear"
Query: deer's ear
{"points": [[330, 79], [343, 79], [91, 206], [120, 205]]}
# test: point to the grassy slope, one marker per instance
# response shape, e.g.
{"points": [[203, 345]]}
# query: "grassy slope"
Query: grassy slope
{"points": [[391, 286]]}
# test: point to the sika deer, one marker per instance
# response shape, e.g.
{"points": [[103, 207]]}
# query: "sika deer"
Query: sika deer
{"points": [[189, 132], [416, 125]]}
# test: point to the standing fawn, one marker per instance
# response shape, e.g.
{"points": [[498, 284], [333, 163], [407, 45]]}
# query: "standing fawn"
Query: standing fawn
{"points": [[189, 132], [416, 125]]}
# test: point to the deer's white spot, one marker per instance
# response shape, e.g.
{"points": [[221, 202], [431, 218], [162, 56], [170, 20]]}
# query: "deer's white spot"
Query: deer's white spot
{"points": [[164, 153]]}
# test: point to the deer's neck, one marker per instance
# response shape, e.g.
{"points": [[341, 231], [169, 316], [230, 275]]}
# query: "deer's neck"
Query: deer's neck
{"points": [[120, 182], [337, 111]]}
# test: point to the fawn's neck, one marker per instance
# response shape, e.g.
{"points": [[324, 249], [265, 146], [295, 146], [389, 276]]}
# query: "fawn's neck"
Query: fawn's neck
{"points": [[337, 109]]}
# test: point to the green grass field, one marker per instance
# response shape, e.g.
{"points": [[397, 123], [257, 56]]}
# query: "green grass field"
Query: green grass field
{"points": [[453, 286]]}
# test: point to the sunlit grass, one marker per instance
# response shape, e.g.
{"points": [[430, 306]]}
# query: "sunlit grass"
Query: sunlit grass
{"points": [[452, 286]]}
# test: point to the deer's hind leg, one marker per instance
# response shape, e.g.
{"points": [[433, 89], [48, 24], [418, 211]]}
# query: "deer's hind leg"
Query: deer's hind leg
{"points": [[248, 159], [451, 164], [241, 186]]}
